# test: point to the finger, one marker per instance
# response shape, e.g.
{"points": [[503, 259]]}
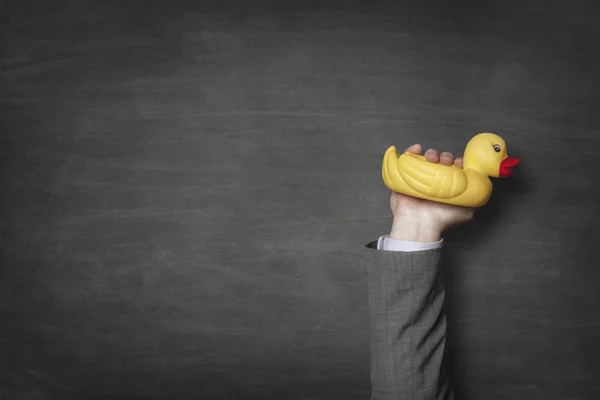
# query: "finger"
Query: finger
{"points": [[415, 148], [459, 162], [431, 155], [446, 158]]}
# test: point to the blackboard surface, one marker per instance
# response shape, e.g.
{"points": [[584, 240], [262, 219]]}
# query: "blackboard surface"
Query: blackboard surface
{"points": [[186, 188]]}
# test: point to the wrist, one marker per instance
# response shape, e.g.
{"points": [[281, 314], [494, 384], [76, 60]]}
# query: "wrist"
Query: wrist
{"points": [[415, 229]]}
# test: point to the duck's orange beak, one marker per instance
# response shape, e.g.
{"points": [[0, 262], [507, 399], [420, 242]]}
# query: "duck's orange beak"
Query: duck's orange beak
{"points": [[506, 165]]}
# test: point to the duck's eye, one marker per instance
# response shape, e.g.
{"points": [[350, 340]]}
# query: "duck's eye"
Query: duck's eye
{"points": [[497, 148]]}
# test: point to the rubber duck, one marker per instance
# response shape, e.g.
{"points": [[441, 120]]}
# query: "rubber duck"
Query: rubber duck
{"points": [[485, 156]]}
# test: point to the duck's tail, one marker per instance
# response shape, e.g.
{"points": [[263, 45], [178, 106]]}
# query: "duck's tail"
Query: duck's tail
{"points": [[389, 168]]}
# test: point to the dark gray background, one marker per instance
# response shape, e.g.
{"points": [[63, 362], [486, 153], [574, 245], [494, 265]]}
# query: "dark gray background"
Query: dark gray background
{"points": [[186, 188]]}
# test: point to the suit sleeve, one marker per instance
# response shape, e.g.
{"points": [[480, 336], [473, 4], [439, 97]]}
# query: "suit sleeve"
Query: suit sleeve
{"points": [[407, 325]]}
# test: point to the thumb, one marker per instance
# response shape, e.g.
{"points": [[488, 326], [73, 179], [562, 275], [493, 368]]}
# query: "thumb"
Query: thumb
{"points": [[415, 148]]}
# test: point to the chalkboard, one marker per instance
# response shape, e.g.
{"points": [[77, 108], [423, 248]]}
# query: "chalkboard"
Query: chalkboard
{"points": [[186, 189]]}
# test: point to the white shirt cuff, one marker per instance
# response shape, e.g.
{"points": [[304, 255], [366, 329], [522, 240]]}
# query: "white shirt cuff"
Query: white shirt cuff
{"points": [[385, 243]]}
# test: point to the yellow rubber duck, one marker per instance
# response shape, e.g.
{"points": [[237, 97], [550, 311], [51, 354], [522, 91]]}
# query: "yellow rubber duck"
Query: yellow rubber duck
{"points": [[485, 156]]}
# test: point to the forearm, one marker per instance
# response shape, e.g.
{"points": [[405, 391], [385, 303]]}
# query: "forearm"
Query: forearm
{"points": [[415, 229], [407, 323]]}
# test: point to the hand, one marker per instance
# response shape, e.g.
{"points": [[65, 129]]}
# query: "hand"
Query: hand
{"points": [[422, 220]]}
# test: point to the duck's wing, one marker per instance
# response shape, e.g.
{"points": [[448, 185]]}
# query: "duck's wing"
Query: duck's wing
{"points": [[435, 180]]}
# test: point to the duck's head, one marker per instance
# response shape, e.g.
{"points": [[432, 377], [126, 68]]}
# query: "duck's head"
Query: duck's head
{"points": [[486, 153]]}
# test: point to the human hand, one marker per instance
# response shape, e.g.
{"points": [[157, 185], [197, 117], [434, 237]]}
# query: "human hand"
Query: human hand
{"points": [[421, 220]]}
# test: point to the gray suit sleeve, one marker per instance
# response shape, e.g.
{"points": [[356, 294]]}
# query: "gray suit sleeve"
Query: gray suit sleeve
{"points": [[407, 325]]}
